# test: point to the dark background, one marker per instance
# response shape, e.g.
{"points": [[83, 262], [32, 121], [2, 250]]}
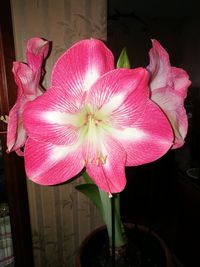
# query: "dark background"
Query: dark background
{"points": [[161, 195]]}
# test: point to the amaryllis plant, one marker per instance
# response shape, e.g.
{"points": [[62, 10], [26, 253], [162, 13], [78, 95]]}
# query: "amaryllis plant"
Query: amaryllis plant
{"points": [[96, 118]]}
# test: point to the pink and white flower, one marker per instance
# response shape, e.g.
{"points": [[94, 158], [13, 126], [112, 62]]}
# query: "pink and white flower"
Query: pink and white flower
{"points": [[27, 77], [168, 87], [93, 116]]}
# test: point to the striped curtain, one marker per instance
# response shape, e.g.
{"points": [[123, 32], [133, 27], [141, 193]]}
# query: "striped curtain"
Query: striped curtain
{"points": [[60, 216]]}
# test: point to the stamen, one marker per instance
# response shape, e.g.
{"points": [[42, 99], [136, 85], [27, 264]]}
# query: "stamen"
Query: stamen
{"points": [[90, 118], [91, 160], [103, 159], [100, 160]]}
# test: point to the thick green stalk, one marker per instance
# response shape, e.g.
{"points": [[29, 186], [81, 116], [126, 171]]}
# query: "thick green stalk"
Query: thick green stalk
{"points": [[120, 237]]}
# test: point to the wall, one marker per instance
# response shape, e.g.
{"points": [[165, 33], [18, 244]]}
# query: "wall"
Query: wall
{"points": [[60, 216]]}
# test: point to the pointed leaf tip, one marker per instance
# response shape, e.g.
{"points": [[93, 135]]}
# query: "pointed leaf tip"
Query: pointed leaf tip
{"points": [[87, 178], [123, 60], [92, 192]]}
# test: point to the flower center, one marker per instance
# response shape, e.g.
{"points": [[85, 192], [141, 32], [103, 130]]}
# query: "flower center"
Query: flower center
{"points": [[93, 136], [91, 120]]}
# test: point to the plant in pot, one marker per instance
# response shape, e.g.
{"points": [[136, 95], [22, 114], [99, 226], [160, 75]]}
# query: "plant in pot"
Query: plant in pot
{"points": [[98, 119]]}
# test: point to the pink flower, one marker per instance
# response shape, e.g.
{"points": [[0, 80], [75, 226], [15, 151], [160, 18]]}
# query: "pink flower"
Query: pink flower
{"points": [[169, 89], [93, 116], [27, 78]]}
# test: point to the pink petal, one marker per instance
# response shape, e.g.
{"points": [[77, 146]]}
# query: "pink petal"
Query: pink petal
{"points": [[26, 80], [110, 176], [80, 66], [148, 139], [47, 117], [181, 82], [47, 164], [19, 152], [159, 66], [37, 50], [16, 135], [27, 83], [120, 95], [172, 104], [169, 87]]}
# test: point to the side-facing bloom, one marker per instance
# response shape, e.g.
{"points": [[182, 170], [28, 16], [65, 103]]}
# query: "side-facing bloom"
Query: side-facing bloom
{"points": [[93, 116], [27, 77], [168, 87]]}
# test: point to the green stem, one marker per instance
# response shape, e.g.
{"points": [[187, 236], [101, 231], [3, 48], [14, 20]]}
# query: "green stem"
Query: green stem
{"points": [[120, 237]]}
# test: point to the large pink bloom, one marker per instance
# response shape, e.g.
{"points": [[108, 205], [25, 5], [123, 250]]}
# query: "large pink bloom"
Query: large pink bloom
{"points": [[27, 77], [95, 117], [169, 89]]}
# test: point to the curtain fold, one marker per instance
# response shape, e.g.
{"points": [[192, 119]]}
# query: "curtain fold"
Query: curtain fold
{"points": [[60, 216]]}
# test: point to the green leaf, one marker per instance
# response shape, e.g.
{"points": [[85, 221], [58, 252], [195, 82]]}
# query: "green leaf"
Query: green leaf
{"points": [[92, 192], [87, 178], [123, 61]]}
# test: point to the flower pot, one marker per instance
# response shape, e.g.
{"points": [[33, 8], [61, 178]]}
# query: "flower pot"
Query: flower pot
{"points": [[144, 249]]}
